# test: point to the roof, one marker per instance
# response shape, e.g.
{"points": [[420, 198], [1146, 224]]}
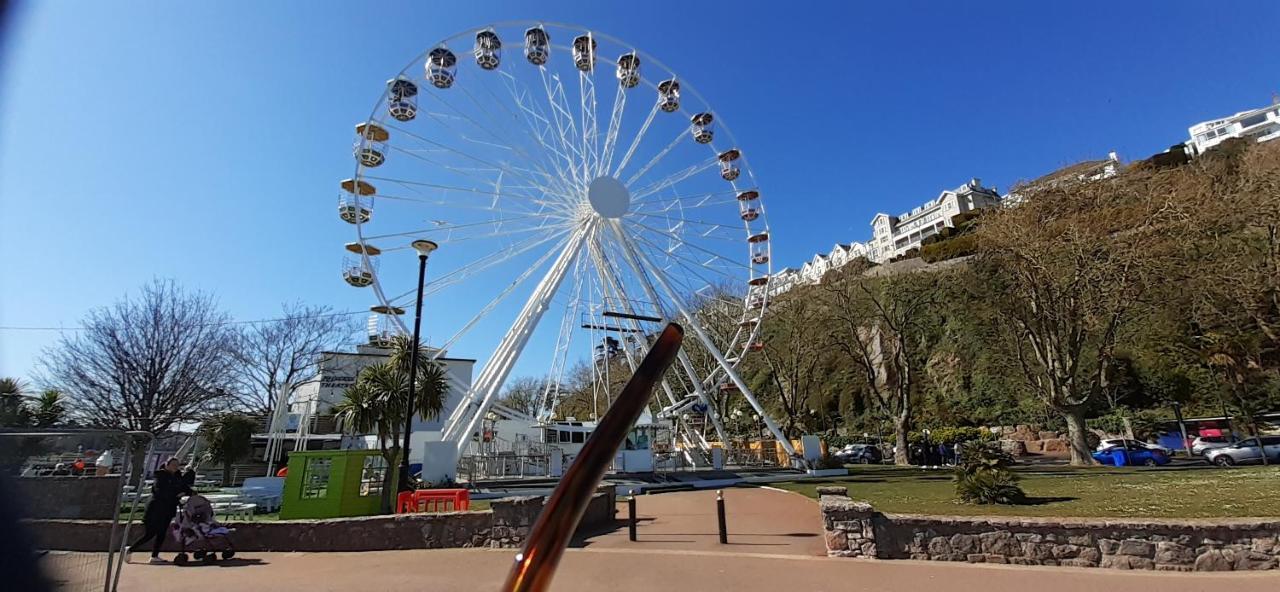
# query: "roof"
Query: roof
{"points": [[1078, 170]]}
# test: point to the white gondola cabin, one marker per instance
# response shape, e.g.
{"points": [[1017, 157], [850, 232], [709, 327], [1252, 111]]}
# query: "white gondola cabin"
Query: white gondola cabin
{"points": [[363, 249], [488, 50], [759, 244], [442, 66], [382, 331], [669, 95], [749, 205], [537, 46], [402, 99], [701, 128], [371, 144], [351, 207], [356, 272], [584, 53], [728, 169], [629, 70], [756, 346]]}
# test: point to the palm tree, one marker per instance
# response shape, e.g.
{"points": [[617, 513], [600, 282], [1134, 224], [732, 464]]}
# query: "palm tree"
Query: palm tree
{"points": [[230, 439], [377, 404], [14, 411], [50, 408]]}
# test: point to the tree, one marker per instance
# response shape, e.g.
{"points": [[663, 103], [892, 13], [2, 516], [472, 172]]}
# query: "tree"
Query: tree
{"points": [[284, 351], [524, 394], [793, 358], [229, 437], [14, 412], [147, 362], [379, 400], [1068, 270], [48, 408], [888, 325]]}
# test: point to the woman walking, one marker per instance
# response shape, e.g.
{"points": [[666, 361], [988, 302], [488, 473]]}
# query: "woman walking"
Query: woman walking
{"points": [[168, 486]]}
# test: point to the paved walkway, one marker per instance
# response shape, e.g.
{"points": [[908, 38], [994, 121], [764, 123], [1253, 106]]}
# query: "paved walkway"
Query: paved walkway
{"points": [[618, 570], [759, 520]]}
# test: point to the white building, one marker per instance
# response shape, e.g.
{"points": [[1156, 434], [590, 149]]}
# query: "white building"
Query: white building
{"points": [[1261, 124], [894, 235], [338, 370]]}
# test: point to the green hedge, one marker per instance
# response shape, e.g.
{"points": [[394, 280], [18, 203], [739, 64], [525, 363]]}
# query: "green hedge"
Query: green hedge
{"points": [[960, 246]]}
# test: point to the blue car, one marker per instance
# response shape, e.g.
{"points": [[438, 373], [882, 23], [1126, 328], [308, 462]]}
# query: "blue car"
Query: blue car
{"points": [[1131, 455]]}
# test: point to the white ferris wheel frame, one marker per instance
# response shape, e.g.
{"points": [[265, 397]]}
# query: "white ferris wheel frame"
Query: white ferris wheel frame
{"points": [[586, 241]]}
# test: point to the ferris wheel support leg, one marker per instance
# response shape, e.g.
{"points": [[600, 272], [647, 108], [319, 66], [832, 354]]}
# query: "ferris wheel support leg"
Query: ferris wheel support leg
{"points": [[499, 366], [710, 345], [610, 282], [683, 356]]}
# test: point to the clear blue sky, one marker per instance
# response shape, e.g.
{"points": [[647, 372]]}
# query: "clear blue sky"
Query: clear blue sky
{"points": [[201, 141]]}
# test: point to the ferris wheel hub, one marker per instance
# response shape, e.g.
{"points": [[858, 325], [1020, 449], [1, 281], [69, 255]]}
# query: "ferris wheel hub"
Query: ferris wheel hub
{"points": [[609, 197]]}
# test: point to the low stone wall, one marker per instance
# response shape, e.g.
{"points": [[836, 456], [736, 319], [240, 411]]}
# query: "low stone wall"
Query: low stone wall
{"points": [[505, 524], [78, 497], [855, 529]]}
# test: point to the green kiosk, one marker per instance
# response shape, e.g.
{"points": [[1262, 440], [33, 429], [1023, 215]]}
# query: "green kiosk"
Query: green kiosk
{"points": [[334, 484]]}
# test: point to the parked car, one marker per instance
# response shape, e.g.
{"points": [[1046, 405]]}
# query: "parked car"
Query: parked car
{"points": [[860, 454], [1204, 444], [1131, 454], [1105, 444], [1246, 451]]}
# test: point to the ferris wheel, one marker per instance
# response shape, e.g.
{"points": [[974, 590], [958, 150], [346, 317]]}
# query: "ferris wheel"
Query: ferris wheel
{"points": [[579, 186]]}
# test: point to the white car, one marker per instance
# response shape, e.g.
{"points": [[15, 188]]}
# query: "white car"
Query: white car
{"points": [[1203, 444], [1105, 444]]}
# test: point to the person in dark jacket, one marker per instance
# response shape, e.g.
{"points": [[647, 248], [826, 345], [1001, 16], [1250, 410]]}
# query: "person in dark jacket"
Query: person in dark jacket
{"points": [[168, 487]]}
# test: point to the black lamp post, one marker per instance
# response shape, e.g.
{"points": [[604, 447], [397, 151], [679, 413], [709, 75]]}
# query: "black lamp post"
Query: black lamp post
{"points": [[424, 249]]}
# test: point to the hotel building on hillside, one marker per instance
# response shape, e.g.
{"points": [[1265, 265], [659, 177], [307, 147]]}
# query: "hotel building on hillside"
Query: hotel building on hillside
{"points": [[892, 236], [1261, 124]]}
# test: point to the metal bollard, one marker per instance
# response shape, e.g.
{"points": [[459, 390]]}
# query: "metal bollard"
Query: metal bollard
{"points": [[724, 532], [631, 516]]}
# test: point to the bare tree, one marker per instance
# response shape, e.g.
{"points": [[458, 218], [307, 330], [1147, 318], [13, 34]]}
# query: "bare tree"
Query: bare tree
{"points": [[1068, 269], [793, 358], [524, 394], [888, 326], [147, 362], [285, 351]]}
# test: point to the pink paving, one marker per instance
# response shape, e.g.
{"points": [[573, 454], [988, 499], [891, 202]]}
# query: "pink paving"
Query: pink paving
{"points": [[759, 521]]}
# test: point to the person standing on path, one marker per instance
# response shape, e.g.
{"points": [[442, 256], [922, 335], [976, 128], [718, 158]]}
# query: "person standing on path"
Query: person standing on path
{"points": [[169, 485]]}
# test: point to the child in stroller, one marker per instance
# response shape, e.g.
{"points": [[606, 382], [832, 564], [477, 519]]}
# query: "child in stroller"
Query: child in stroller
{"points": [[195, 530]]}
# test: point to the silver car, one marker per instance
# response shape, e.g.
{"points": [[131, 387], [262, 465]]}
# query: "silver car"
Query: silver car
{"points": [[1245, 451], [1205, 443]]}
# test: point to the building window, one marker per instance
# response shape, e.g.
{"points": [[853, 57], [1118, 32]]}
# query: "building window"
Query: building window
{"points": [[1255, 120], [372, 475], [315, 478], [579, 437]]}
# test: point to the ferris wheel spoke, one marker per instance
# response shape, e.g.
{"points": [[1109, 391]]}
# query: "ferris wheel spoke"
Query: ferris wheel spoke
{"points": [[492, 195], [635, 142], [449, 227], [611, 136], [689, 265], [492, 304], [680, 137], [732, 262], [590, 144], [528, 198], [565, 127], [540, 147], [674, 179], [509, 170], [533, 113], [736, 227], [488, 261]]}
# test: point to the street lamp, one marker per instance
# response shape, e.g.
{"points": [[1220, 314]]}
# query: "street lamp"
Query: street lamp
{"points": [[424, 249]]}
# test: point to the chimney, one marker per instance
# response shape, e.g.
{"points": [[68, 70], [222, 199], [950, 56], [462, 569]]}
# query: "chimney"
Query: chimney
{"points": [[975, 182]]}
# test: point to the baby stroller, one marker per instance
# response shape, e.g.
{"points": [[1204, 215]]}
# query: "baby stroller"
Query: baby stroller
{"points": [[195, 530]]}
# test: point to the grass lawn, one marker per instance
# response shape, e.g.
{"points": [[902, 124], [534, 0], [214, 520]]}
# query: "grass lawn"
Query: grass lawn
{"points": [[1170, 492]]}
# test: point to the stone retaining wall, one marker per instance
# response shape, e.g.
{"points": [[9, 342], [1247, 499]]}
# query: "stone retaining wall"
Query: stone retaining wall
{"points": [[505, 524], [855, 529]]}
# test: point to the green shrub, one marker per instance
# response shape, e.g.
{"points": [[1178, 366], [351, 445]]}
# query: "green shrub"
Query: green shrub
{"points": [[983, 476], [952, 435], [959, 246]]}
